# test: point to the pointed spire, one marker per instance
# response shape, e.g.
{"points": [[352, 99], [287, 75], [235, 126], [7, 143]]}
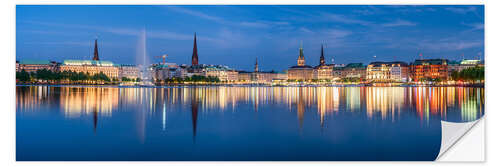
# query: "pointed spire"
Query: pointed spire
{"points": [[322, 58], [256, 68], [194, 58], [96, 52], [301, 59], [301, 54]]}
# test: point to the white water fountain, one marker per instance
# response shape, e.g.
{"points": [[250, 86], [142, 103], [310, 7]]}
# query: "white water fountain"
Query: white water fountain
{"points": [[143, 61]]}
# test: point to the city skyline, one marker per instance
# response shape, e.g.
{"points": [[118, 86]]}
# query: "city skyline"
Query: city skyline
{"points": [[271, 34]]}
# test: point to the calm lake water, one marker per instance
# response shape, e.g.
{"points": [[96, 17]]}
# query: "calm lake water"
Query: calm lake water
{"points": [[238, 123]]}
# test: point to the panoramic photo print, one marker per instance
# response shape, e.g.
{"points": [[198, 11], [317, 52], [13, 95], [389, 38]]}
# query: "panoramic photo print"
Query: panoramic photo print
{"points": [[244, 82]]}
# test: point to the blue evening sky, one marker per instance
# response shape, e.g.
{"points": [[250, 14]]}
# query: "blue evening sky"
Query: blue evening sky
{"points": [[236, 35]]}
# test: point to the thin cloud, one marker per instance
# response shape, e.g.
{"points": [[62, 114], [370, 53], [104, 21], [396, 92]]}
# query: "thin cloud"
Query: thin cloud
{"points": [[114, 30], [249, 24], [263, 24], [398, 23], [306, 30], [196, 14], [369, 10], [227, 38], [461, 10], [254, 24], [51, 32], [344, 19], [451, 45], [475, 26], [365, 12], [72, 43], [168, 35], [335, 33], [119, 31]]}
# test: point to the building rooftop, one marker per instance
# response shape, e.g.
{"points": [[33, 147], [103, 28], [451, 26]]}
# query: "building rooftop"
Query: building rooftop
{"points": [[470, 62], [453, 62], [354, 65], [166, 65], [126, 65], [379, 63], [431, 62], [217, 68], [324, 66], [210, 67], [34, 62], [88, 62]]}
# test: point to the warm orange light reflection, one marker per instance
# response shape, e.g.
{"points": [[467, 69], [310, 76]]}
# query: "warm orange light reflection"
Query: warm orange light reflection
{"points": [[377, 102]]}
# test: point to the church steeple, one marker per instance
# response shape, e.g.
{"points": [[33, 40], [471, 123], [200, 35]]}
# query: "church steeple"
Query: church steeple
{"points": [[322, 58], [256, 68], [301, 60], [194, 58], [96, 52]]}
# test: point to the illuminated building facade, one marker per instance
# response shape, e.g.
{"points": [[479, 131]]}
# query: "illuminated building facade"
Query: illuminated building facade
{"points": [[378, 71], [429, 69], [400, 72], [323, 72], [34, 65], [352, 70], [387, 71], [301, 71], [232, 75], [259, 76], [128, 71], [224, 73], [267, 77], [168, 70], [244, 76], [91, 67], [94, 66]]}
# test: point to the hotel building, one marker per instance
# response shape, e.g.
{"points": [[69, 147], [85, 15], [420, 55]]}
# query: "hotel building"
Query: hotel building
{"points": [[245, 76], [429, 69], [352, 70], [224, 73], [400, 72], [91, 67], [260, 76], [128, 71], [387, 71], [34, 65], [96, 66], [167, 70]]}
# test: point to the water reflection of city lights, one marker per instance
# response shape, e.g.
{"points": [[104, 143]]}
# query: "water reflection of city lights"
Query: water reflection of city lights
{"points": [[384, 103]]}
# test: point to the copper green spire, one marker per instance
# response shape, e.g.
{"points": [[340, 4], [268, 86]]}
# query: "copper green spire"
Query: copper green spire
{"points": [[301, 60]]}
